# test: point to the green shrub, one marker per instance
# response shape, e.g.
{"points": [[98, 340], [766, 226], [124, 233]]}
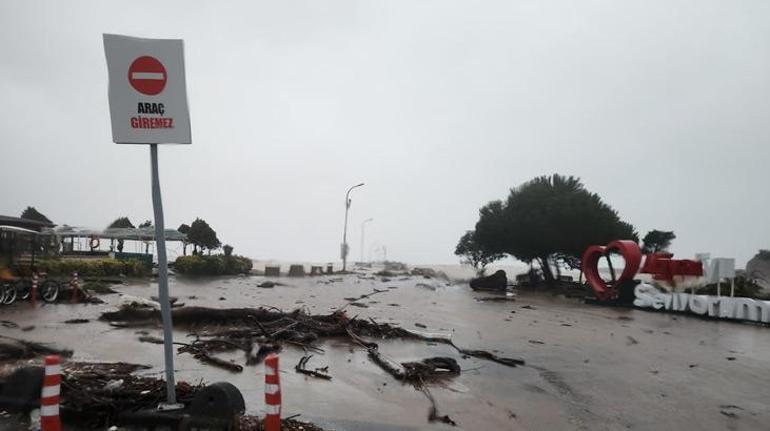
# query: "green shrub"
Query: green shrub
{"points": [[94, 267], [217, 264]]}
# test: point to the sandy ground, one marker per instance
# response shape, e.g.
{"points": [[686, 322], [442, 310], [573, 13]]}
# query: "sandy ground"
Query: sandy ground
{"points": [[588, 367]]}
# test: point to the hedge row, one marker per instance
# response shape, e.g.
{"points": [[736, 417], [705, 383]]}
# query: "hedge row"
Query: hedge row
{"points": [[94, 267], [217, 264]]}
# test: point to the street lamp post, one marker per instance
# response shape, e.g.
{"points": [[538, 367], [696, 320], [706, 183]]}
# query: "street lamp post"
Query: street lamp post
{"points": [[363, 223], [344, 248]]}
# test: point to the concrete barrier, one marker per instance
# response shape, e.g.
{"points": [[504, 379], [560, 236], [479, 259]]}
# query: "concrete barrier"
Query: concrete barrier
{"points": [[296, 271]]}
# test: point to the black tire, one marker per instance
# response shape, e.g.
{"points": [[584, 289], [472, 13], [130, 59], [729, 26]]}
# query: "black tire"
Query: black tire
{"points": [[23, 288], [9, 293], [49, 290]]}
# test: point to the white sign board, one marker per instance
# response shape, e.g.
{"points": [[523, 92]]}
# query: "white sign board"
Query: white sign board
{"points": [[148, 95]]}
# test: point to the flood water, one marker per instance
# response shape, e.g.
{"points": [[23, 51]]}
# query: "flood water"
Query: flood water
{"points": [[588, 367]]}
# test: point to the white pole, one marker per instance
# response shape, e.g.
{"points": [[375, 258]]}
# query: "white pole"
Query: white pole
{"points": [[719, 287], [732, 286], [165, 305]]}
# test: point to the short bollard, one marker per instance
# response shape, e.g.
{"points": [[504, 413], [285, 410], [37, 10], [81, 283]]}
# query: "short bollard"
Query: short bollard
{"points": [[272, 394], [75, 284], [49, 400], [33, 291]]}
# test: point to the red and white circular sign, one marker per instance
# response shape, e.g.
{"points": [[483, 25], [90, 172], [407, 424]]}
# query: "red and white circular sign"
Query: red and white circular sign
{"points": [[147, 75]]}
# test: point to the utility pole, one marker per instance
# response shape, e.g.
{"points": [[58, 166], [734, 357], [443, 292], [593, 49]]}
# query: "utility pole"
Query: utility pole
{"points": [[344, 248], [363, 223]]}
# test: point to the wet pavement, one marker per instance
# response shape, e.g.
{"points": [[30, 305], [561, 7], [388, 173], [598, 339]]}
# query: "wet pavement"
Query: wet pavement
{"points": [[588, 367]]}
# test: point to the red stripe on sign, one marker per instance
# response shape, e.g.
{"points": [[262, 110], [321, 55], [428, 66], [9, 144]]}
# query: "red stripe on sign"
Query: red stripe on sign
{"points": [[49, 401], [273, 380], [52, 360]]}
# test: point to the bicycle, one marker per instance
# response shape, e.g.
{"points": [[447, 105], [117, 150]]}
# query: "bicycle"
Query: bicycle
{"points": [[48, 289]]}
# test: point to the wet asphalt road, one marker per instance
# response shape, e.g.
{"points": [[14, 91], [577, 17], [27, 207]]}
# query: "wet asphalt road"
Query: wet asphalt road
{"points": [[588, 367]]}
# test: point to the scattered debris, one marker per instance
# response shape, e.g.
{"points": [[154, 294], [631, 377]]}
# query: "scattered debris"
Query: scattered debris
{"points": [[433, 414], [14, 348], [495, 282], [729, 414], [217, 330], [354, 301], [420, 325], [528, 307], [150, 339], [536, 342], [77, 321], [91, 396], [496, 299], [171, 299], [257, 353], [631, 340], [137, 302], [321, 373]]}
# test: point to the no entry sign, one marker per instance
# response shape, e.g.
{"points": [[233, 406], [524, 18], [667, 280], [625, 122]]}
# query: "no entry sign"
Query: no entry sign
{"points": [[148, 96], [147, 75]]}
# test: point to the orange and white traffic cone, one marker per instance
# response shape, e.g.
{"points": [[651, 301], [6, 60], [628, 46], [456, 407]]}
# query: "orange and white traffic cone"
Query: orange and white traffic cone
{"points": [[33, 291], [272, 394], [49, 401], [75, 284]]}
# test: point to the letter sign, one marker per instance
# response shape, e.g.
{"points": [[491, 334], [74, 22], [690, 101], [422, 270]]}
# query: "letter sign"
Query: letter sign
{"points": [[147, 91]]}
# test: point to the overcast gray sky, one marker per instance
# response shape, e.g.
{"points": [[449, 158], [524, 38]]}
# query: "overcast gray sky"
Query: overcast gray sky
{"points": [[660, 106]]}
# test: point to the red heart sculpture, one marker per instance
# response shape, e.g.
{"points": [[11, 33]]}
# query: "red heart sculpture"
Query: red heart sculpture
{"points": [[631, 254]]}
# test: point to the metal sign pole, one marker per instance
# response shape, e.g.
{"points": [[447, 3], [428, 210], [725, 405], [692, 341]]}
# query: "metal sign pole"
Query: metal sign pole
{"points": [[165, 306]]}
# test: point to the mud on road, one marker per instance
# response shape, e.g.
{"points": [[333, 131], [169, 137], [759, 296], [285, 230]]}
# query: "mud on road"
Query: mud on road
{"points": [[587, 367]]}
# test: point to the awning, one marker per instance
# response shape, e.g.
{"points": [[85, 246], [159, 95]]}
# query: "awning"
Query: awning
{"points": [[132, 234]]}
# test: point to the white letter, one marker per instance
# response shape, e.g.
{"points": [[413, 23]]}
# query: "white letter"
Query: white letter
{"points": [[699, 304]]}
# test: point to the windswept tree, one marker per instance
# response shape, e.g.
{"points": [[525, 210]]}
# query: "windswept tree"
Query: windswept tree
{"points": [[121, 222], [474, 253], [550, 219], [657, 240], [30, 213], [202, 236], [147, 223], [185, 229]]}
